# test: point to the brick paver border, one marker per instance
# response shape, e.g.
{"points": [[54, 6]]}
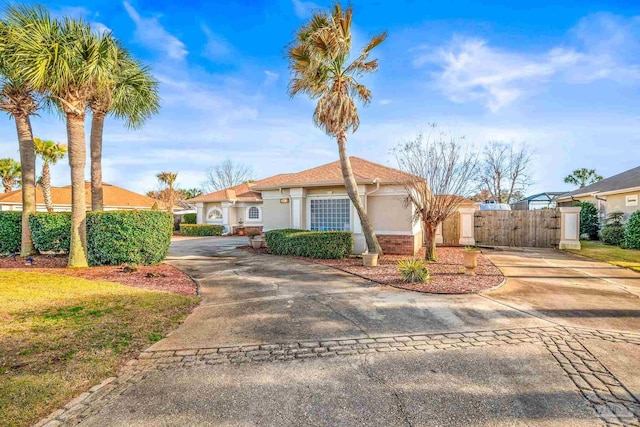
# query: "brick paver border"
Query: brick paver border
{"points": [[608, 397]]}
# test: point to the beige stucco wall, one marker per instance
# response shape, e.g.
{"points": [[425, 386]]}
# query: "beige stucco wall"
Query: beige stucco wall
{"points": [[387, 213], [276, 215], [613, 203], [207, 207]]}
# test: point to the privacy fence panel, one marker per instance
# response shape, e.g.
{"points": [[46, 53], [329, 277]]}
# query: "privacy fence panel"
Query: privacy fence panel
{"points": [[451, 231], [538, 228]]}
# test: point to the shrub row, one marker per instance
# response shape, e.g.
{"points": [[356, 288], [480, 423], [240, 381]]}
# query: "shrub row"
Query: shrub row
{"points": [[10, 232], [201, 230], [310, 244], [613, 231], [113, 237], [589, 222]]}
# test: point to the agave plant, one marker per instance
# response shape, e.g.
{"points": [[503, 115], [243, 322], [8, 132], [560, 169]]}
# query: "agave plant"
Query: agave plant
{"points": [[414, 270]]}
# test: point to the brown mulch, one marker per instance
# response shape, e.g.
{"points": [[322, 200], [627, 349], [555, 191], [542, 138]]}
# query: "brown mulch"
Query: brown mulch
{"points": [[161, 277], [446, 274]]}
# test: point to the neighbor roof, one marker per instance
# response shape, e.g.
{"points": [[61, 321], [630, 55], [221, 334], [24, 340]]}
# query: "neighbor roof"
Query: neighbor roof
{"points": [[240, 193], [113, 196], [625, 180], [365, 172]]}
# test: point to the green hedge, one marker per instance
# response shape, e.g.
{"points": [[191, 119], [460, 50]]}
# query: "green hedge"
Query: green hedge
{"points": [[613, 231], [201, 230], [632, 231], [51, 232], [189, 218], [10, 232], [135, 237], [310, 244], [589, 222], [113, 237]]}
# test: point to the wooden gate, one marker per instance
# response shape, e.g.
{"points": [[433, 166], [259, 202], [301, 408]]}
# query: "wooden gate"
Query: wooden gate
{"points": [[539, 228], [451, 231]]}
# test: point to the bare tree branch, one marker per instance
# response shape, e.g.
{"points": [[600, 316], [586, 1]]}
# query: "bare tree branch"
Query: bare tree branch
{"points": [[504, 171], [227, 174], [443, 171]]}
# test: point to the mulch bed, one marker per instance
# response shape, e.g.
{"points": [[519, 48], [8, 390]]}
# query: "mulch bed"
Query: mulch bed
{"points": [[161, 277], [446, 273]]}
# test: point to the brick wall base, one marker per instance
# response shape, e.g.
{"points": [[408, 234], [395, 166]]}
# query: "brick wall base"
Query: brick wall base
{"points": [[247, 229], [397, 244]]}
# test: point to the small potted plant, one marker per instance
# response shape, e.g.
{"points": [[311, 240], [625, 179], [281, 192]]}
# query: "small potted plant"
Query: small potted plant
{"points": [[240, 228], [370, 259], [470, 254]]}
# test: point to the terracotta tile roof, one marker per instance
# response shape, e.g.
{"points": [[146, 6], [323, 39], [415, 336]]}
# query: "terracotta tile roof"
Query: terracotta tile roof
{"points": [[113, 197], [331, 173], [240, 193]]}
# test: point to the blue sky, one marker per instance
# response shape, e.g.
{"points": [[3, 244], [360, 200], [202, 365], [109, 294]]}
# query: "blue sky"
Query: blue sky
{"points": [[562, 79]]}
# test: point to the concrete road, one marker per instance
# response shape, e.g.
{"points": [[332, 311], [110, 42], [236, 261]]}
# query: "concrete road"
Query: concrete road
{"points": [[473, 360]]}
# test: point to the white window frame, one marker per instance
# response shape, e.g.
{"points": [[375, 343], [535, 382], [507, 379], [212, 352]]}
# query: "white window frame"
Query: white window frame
{"points": [[253, 219], [334, 197], [631, 200], [214, 220]]}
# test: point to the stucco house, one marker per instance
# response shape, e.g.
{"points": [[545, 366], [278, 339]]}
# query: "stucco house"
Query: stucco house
{"points": [[115, 198], [316, 199], [619, 193]]}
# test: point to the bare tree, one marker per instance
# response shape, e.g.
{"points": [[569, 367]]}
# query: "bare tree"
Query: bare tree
{"points": [[504, 171], [443, 171], [227, 174]]}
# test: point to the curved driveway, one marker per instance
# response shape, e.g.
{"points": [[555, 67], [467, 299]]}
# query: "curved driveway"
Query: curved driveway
{"points": [[538, 351]]}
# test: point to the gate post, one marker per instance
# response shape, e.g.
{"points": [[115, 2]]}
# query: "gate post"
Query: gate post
{"points": [[570, 227], [439, 236], [467, 230]]}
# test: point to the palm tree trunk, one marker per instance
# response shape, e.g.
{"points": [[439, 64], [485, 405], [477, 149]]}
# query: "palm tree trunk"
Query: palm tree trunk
{"points": [[373, 246], [46, 187], [7, 183], [77, 162], [430, 241], [97, 125], [28, 167]]}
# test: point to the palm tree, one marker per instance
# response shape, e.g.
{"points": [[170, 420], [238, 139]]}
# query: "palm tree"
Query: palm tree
{"points": [[168, 195], [319, 61], [69, 63], [19, 99], [133, 96], [9, 173], [50, 153]]}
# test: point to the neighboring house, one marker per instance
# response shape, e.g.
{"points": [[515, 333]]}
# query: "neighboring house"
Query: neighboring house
{"points": [[115, 198], [546, 200], [619, 193], [316, 199]]}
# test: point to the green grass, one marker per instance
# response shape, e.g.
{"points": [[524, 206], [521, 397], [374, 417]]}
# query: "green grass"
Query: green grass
{"points": [[61, 335], [628, 258]]}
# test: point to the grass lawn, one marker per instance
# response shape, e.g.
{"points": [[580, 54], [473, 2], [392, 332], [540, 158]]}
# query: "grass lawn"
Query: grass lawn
{"points": [[61, 335], [629, 258]]}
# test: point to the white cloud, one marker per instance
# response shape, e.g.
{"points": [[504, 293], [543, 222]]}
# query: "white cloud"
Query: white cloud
{"points": [[303, 9], [469, 69], [270, 77], [384, 102], [155, 36], [216, 47]]}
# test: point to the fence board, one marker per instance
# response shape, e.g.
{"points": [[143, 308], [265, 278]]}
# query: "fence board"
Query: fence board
{"points": [[538, 228]]}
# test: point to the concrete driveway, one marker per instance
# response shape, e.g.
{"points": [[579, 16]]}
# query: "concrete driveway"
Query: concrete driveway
{"points": [[278, 341]]}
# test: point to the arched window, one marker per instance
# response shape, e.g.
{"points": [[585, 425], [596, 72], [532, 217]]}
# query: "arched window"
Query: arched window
{"points": [[253, 213], [214, 214]]}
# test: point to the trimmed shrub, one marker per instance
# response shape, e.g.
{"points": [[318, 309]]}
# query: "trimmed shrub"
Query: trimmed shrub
{"points": [[201, 230], [413, 270], [613, 231], [10, 232], [51, 232], [589, 223], [632, 231], [310, 244], [134, 237], [189, 218]]}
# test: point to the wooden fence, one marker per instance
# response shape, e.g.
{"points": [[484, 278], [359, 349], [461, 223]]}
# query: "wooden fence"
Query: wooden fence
{"points": [[451, 231], [537, 228]]}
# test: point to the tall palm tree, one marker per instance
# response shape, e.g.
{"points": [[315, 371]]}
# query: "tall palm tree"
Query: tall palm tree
{"points": [[9, 173], [68, 62], [133, 97], [19, 99], [319, 61], [50, 152]]}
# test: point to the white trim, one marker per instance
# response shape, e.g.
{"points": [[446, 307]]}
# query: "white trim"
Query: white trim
{"points": [[631, 203]]}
